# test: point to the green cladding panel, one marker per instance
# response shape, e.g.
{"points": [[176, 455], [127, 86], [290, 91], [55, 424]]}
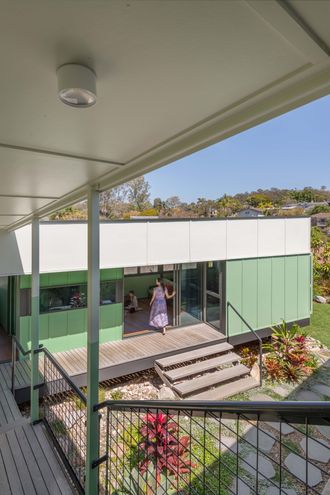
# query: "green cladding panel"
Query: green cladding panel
{"points": [[265, 291]]}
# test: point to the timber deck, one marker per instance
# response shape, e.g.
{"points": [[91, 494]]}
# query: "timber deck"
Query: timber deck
{"points": [[119, 358], [28, 463]]}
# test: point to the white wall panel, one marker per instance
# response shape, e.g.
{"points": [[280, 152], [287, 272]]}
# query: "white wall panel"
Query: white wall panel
{"points": [[271, 237], [208, 240], [297, 235], [123, 245], [168, 242], [63, 246], [242, 240]]}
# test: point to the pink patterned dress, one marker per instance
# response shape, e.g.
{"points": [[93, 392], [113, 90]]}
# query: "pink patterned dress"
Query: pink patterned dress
{"points": [[158, 313]]}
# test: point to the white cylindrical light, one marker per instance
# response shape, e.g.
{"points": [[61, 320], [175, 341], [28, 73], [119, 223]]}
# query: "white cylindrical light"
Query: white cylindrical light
{"points": [[76, 85]]}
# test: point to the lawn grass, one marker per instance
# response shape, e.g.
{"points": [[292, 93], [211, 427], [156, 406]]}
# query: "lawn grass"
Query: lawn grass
{"points": [[320, 323]]}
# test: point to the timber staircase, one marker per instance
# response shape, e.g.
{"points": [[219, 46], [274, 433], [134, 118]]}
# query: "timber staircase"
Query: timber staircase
{"points": [[209, 373]]}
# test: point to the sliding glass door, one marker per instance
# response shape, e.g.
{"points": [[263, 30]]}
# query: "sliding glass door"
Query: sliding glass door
{"points": [[190, 304]]}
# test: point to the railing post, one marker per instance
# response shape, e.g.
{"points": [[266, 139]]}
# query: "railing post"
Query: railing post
{"points": [[13, 365], [93, 295], [35, 321]]}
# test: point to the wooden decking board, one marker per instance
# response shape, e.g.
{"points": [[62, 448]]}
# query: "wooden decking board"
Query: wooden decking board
{"points": [[227, 390], [118, 358], [21, 463], [193, 355], [199, 367], [209, 380], [10, 470]]}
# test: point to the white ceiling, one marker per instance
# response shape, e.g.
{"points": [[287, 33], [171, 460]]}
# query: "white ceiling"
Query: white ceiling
{"points": [[172, 77]]}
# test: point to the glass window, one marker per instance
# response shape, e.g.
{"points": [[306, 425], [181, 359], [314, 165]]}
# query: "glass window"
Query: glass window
{"points": [[168, 268], [25, 302], [63, 298], [149, 269], [132, 270], [213, 277], [108, 293]]}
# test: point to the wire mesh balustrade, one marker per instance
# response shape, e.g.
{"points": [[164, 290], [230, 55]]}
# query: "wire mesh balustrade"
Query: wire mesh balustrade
{"points": [[64, 414], [184, 448]]}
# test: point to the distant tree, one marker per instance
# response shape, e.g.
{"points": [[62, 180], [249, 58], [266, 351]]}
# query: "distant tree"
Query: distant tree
{"points": [[256, 199], [70, 213], [319, 209], [228, 205], [158, 204], [113, 203], [138, 194]]}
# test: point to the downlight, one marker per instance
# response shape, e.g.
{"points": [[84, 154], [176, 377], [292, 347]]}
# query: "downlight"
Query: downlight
{"points": [[76, 85]]}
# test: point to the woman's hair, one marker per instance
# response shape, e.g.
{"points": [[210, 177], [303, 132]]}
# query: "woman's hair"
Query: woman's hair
{"points": [[161, 282]]}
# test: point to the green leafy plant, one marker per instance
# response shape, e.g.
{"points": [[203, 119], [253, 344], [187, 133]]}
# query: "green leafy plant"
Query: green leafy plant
{"points": [[116, 395], [288, 357], [137, 483], [249, 356]]}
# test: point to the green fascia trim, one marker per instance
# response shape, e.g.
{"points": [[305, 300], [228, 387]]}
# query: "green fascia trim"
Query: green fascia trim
{"points": [[267, 290]]}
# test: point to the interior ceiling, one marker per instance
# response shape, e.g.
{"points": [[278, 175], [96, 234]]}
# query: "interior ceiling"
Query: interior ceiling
{"points": [[172, 77]]}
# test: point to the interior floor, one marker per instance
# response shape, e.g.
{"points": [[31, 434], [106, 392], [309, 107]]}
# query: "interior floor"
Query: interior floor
{"points": [[138, 322]]}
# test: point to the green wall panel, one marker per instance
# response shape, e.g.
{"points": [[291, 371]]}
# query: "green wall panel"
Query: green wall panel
{"points": [[249, 290], [234, 296], [264, 299], [25, 281], [304, 287], [278, 286], [267, 290], [65, 330], [291, 288]]}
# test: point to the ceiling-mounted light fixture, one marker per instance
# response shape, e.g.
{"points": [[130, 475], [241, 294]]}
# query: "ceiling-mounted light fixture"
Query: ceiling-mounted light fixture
{"points": [[76, 85]]}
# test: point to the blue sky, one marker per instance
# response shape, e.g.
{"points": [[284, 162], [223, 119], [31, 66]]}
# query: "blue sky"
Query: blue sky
{"points": [[291, 151]]}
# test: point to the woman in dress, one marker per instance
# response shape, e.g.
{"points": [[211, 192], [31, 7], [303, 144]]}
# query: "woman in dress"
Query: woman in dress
{"points": [[158, 311]]}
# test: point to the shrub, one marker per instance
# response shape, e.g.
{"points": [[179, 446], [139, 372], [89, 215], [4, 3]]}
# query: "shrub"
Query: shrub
{"points": [[249, 356], [288, 357], [162, 447]]}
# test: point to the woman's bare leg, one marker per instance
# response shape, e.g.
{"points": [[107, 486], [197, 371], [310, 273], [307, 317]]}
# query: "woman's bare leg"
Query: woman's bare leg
{"points": [[164, 331]]}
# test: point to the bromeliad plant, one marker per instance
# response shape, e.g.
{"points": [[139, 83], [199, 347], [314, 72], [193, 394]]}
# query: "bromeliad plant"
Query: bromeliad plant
{"points": [[288, 358], [162, 448]]}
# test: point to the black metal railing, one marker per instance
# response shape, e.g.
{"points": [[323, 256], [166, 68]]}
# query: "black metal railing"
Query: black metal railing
{"points": [[258, 338], [64, 414], [17, 346], [214, 448]]}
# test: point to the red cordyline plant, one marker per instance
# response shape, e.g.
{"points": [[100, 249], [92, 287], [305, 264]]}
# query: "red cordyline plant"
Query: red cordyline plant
{"points": [[163, 448]]}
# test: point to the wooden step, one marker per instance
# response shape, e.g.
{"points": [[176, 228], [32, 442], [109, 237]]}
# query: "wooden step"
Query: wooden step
{"points": [[194, 355], [210, 380], [227, 389], [201, 366]]}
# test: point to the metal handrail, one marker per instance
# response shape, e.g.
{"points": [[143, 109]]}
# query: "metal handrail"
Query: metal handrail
{"points": [[17, 345], [254, 333], [65, 375], [274, 409]]}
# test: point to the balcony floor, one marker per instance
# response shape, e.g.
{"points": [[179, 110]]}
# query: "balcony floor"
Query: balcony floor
{"points": [[28, 463], [120, 358]]}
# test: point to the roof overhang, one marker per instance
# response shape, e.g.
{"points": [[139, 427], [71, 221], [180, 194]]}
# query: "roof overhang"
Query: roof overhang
{"points": [[172, 78]]}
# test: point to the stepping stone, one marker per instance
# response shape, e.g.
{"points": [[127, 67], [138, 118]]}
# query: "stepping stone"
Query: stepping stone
{"points": [[281, 391], [323, 389], [228, 443], [266, 442], [273, 490], [242, 488], [324, 430], [326, 489], [286, 429], [307, 395], [317, 451], [265, 467], [260, 398], [297, 466]]}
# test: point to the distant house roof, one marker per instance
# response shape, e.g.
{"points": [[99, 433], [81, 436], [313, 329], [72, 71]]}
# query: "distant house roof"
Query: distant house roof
{"points": [[322, 215]]}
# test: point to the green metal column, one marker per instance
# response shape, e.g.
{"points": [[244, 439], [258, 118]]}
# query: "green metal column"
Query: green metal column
{"points": [[35, 320], [93, 339]]}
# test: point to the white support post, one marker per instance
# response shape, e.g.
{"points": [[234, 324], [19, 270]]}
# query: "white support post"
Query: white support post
{"points": [[35, 291], [93, 340]]}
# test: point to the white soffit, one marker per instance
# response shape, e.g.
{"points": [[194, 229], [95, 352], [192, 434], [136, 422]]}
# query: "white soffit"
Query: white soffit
{"points": [[172, 78]]}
